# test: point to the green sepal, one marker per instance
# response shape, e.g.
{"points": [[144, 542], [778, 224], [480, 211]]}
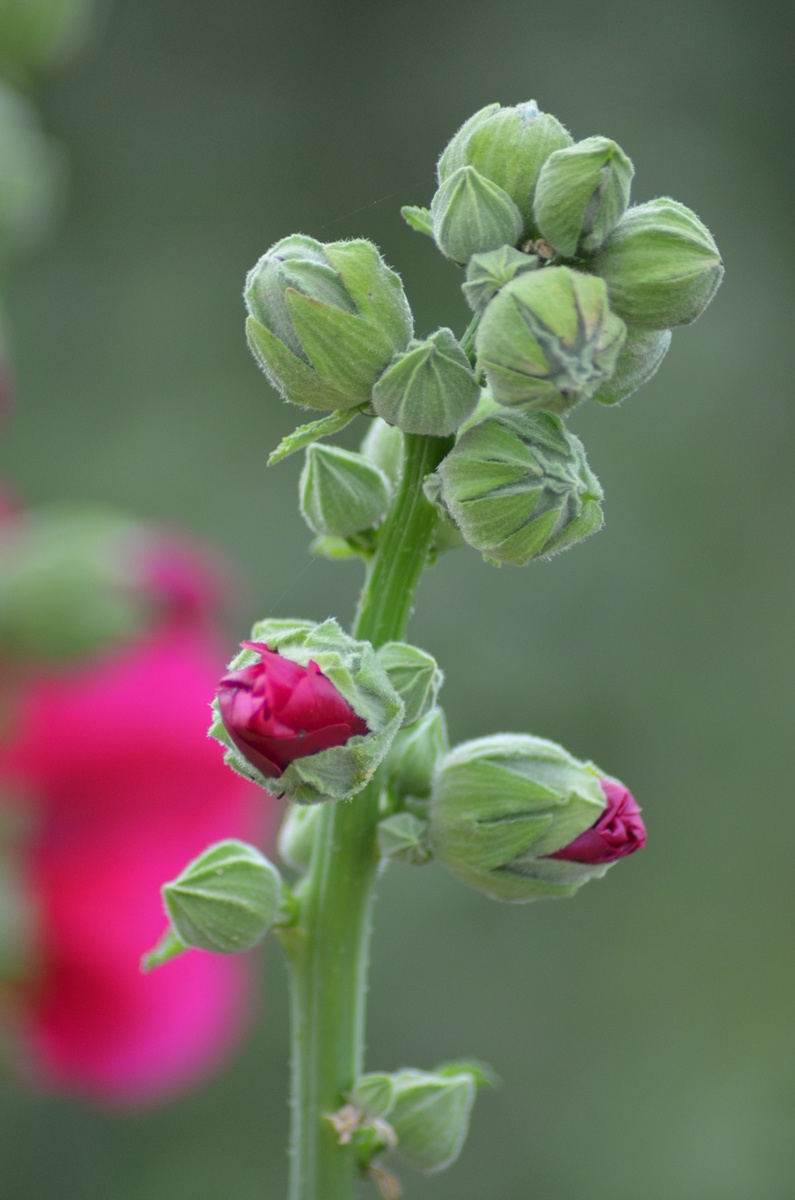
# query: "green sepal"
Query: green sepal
{"points": [[414, 756], [418, 218], [323, 328], [403, 837], [341, 492], [454, 154], [170, 946], [661, 265], [225, 900], [429, 388], [304, 435], [414, 675], [548, 339], [376, 290], [638, 361], [430, 1116], [355, 670], [374, 1094], [483, 1075], [294, 379], [471, 214], [581, 194], [487, 273]]}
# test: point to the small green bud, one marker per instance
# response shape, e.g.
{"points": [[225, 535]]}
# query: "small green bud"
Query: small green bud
{"points": [[325, 319], [341, 493], [501, 804], [414, 675], [404, 838], [374, 1094], [383, 446], [508, 146], [226, 900], [430, 1116], [581, 194], [297, 835], [642, 354], [661, 265], [430, 388], [519, 487], [487, 273], [471, 214], [414, 756], [549, 339]]}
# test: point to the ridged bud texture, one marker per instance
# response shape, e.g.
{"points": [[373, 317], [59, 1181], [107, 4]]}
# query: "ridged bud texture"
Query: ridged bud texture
{"points": [[582, 192], [471, 214], [341, 493], [429, 389]]}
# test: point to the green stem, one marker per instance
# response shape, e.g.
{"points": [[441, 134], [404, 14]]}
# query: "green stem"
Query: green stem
{"points": [[329, 946]]}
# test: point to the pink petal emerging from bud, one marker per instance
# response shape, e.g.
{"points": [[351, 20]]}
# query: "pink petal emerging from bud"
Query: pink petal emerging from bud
{"points": [[276, 711], [619, 830]]}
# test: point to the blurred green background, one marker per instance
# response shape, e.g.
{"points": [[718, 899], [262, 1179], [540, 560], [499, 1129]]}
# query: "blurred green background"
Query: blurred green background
{"points": [[644, 1030]]}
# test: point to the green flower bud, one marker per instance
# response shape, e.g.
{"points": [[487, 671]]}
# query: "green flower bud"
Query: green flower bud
{"points": [[661, 265], [414, 675], [355, 671], [383, 445], [471, 214], [501, 804], [549, 339], [487, 273], [581, 194], [642, 354], [430, 1116], [519, 487], [430, 388], [297, 835], [509, 146], [404, 838], [341, 493], [414, 756], [325, 319], [374, 1094], [226, 900]]}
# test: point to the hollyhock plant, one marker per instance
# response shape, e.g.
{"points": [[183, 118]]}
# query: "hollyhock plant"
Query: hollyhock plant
{"points": [[276, 711]]}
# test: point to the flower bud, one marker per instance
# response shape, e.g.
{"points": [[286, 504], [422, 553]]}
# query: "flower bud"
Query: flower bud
{"points": [[414, 756], [487, 273], [225, 901], [661, 265], [297, 835], [404, 838], [325, 319], [471, 214], [430, 388], [507, 814], [384, 447], [414, 675], [306, 711], [341, 493], [430, 1116], [508, 146], [581, 194], [549, 339], [642, 354], [519, 487]]}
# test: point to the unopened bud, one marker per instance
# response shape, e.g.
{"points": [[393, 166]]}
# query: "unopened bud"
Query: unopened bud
{"points": [[341, 493], [224, 901], [661, 265], [430, 1116], [430, 388], [519, 487], [414, 675], [582, 192], [642, 354], [472, 214], [487, 273], [325, 319], [414, 756], [403, 837], [508, 146], [383, 446], [297, 835], [506, 812], [548, 339]]}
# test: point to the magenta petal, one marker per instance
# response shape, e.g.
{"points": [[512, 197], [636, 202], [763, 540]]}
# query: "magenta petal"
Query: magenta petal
{"points": [[618, 832]]}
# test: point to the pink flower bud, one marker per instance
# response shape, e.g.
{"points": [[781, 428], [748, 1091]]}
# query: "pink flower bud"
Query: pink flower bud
{"points": [[619, 830], [276, 711]]}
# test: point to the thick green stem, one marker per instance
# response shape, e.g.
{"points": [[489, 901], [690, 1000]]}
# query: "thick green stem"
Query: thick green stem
{"points": [[329, 946]]}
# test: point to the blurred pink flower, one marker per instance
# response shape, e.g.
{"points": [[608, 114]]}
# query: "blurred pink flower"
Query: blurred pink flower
{"points": [[112, 758]]}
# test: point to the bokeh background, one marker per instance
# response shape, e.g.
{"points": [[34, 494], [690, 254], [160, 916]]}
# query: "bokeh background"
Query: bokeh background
{"points": [[644, 1031]]}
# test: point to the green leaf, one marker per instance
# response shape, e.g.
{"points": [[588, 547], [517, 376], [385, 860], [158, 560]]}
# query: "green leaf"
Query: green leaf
{"points": [[305, 434], [418, 218]]}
